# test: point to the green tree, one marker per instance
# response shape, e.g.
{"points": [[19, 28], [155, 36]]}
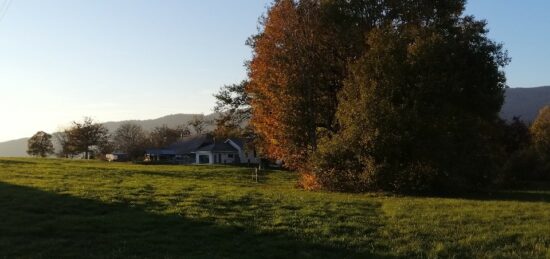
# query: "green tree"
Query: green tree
{"points": [[516, 136], [131, 139], [82, 136], [199, 124], [163, 136], [418, 110], [66, 150], [233, 103], [233, 109], [40, 144]]}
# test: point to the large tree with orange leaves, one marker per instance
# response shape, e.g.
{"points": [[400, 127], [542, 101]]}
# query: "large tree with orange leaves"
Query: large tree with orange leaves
{"points": [[300, 61]]}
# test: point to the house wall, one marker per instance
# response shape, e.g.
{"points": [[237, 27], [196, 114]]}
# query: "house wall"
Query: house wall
{"points": [[245, 155], [248, 157], [204, 153], [226, 158]]}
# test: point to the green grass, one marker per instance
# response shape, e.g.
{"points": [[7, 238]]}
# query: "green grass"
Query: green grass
{"points": [[57, 208]]}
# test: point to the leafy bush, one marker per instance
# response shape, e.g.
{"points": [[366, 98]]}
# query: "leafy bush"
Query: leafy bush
{"points": [[407, 124], [524, 166]]}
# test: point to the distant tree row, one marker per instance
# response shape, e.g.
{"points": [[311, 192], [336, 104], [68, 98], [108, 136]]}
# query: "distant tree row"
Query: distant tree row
{"points": [[90, 139]]}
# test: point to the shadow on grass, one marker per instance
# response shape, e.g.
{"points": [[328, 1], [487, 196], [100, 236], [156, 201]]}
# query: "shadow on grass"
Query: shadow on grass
{"points": [[512, 195], [36, 223], [8, 162], [539, 193]]}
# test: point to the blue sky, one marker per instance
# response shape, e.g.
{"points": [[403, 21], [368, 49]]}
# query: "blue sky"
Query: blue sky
{"points": [[524, 29], [61, 60]]}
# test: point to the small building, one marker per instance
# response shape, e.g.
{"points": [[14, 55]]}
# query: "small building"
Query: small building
{"points": [[160, 155], [229, 151], [204, 149]]}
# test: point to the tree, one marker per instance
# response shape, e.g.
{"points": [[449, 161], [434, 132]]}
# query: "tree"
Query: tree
{"points": [[516, 136], [184, 130], [82, 136], [233, 103], [198, 123], [418, 110], [66, 150], [163, 136], [233, 107], [131, 139], [300, 60], [227, 128], [40, 144], [540, 131], [291, 80]]}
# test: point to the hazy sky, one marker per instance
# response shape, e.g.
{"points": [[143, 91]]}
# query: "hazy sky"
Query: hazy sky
{"points": [[61, 60]]}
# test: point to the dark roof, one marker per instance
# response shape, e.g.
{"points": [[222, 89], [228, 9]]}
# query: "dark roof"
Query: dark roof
{"points": [[218, 147], [190, 144], [193, 144], [160, 152], [239, 142]]}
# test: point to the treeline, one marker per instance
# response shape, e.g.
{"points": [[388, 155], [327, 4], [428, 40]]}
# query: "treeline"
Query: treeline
{"points": [[89, 139], [370, 95]]}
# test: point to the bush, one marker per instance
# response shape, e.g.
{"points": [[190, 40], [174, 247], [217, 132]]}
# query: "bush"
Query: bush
{"points": [[524, 166], [335, 167]]}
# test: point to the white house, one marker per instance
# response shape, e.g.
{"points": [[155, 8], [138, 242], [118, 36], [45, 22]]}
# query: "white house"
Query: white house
{"points": [[204, 149], [230, 151]]}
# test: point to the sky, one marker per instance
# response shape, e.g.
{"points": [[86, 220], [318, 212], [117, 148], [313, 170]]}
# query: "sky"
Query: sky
{"points": [[61, 60]]}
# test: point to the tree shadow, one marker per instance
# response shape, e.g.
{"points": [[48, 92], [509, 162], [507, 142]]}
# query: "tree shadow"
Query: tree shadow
{"points": [[539, 194], [36, 223], [9, 162], [512, 195]]}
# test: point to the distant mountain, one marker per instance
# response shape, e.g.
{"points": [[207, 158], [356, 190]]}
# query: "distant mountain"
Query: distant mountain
{"points": [[525, 102], [172, 121], [14, 148], [18, 147]]}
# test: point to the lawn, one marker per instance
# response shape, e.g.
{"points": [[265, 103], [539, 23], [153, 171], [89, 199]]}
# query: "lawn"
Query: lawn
{"points": [[56, 208]]}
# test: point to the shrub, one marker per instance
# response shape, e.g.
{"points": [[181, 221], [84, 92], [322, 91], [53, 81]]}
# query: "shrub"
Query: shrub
{"points": [[524, 166]]}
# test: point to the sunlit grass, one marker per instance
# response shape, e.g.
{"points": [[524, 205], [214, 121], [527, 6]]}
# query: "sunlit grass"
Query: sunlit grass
{"points": [[54, 208]]}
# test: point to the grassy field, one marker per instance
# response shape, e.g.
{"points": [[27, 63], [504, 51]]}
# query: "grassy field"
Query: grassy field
{"points": [[57, 208]]}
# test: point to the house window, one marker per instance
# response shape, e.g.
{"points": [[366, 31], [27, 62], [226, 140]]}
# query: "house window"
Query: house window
{"points": [[230, 155]]}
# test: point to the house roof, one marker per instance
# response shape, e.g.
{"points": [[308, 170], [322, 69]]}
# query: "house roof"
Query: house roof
{"points": [[190, 144], [193, 144], [237, 141], [160, 152], [218, 147]]}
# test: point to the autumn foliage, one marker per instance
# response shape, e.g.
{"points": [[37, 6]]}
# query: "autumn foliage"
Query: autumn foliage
{"points": [[360, 95], [300, 59]]}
